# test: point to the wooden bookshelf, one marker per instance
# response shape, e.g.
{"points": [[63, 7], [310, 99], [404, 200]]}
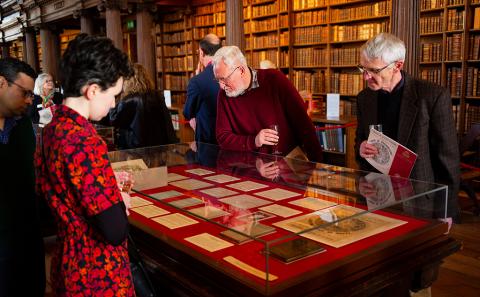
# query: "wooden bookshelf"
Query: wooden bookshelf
{"points": [[450, 54], [336, 140], [65, 37], [16, 49], [39, 51]]}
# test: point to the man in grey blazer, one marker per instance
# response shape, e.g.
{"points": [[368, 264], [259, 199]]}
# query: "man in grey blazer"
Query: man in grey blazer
{"points": [[415, 113]]}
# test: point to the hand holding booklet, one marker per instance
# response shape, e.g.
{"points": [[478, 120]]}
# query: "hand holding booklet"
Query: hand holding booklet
{"points": [[392, 158]]}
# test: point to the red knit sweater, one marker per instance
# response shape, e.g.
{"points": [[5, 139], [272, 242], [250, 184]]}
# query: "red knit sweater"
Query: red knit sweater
{"points": [[275, 101]]}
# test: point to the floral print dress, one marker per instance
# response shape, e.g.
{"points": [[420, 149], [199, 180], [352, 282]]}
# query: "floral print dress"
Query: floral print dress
{"points": [[75, 176]]}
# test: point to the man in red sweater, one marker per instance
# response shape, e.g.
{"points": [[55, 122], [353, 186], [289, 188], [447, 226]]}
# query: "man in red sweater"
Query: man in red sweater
{"points": [[250, 101]]}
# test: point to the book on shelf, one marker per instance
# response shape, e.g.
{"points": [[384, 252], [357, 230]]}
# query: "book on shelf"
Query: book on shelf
{"points": [[431, 4], [476, 18], [357, 32], [306, 4], [431, 24], [474, 47], [308, 18], [431, 74], [472, 88], [310, 35], [454, 47], [311, 81], [367, 10], [431, 52], [455, 19], [310, 57], [347, 82], [454, 81], [344, 56]]}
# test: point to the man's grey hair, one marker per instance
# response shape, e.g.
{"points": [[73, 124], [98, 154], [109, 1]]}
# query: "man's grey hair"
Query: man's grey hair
{"points": [[384, 46], [39, 82], [231, 55]]}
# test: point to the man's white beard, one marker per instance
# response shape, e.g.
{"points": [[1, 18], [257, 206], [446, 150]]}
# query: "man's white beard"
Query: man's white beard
{"points": [[235, 93]]}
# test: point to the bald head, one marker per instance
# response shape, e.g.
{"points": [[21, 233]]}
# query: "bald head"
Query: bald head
{"points": [[212, 39], [210, 44]]}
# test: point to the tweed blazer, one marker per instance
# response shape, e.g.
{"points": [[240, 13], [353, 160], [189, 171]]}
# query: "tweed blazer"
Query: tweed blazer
{"points": [[426, 126]]}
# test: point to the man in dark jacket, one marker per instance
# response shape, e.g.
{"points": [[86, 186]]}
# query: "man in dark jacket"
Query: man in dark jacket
{"points": [[22, 259], [202, 91], [413, 112]]}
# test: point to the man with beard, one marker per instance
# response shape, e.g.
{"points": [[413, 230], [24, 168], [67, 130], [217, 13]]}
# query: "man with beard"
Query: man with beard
{"points": [[260, 110]]}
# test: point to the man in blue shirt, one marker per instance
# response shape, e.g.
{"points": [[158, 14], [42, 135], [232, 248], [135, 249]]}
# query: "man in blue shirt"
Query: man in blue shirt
{"points": [[22, 259], [201, 106]]}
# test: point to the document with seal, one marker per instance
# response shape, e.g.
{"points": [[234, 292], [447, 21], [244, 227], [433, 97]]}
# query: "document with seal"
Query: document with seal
{"points": [[392, 158]]}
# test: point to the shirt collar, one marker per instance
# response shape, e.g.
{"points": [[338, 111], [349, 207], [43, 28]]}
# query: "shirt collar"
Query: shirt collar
{"points": [[253, 82], [8, 126]]}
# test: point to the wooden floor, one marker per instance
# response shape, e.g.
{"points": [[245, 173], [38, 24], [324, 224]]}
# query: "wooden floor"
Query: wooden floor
{"points": [[460, 273]]}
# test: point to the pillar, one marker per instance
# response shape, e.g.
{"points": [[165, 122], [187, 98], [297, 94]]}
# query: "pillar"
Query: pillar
{"points": [[145, 42], [405, 16], [114, 23], [30, 51], [234, 23], [50, 54], [86, 22]]}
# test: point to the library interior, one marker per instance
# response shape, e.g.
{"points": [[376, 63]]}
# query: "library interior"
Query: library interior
{"points": [[210, 221]]}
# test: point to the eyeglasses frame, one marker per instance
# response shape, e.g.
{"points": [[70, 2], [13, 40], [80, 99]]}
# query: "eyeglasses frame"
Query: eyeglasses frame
{"points": [[371, 71], [26, 93], [226, 78]]}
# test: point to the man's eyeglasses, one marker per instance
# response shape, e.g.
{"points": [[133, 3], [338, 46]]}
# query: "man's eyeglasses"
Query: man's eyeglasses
{"points": [[26, 93], [370, 71], [226, 78]]}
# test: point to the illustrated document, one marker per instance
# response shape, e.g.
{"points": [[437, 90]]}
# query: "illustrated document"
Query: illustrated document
{"points": [[392, 158]]}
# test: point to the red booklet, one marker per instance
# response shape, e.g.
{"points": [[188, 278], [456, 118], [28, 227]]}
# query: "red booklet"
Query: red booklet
{"points": [[392, 158]]}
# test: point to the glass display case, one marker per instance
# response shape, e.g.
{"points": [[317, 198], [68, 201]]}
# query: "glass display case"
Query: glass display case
{"points": [[271, 225]]}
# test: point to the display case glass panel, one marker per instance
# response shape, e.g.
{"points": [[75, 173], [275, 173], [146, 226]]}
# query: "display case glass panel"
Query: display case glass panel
{"points": [[271, 222]]}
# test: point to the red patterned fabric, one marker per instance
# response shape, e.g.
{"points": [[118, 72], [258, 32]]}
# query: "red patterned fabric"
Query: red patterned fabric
{"points": [[78, 182]]}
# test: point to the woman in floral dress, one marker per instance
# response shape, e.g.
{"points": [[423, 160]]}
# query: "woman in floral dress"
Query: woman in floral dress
{"points": [[75, 176]]}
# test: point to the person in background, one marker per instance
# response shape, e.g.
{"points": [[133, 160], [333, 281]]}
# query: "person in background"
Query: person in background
{"points": [[141, 117], [251, 101], [75, 176], [22, 258], [45, 96], [201, 105], [413, 112], [267, 64]]}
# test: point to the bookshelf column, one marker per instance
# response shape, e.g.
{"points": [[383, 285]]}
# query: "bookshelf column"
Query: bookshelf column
{"points": [[145, 43], [114, 23], [405, 16], [5, 50], [49, 54], [30, 51], [234, 23], [86, 22]]}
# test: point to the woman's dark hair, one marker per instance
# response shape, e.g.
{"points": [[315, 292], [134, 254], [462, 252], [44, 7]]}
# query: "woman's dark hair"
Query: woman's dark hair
{"points": [[92, 59]]}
